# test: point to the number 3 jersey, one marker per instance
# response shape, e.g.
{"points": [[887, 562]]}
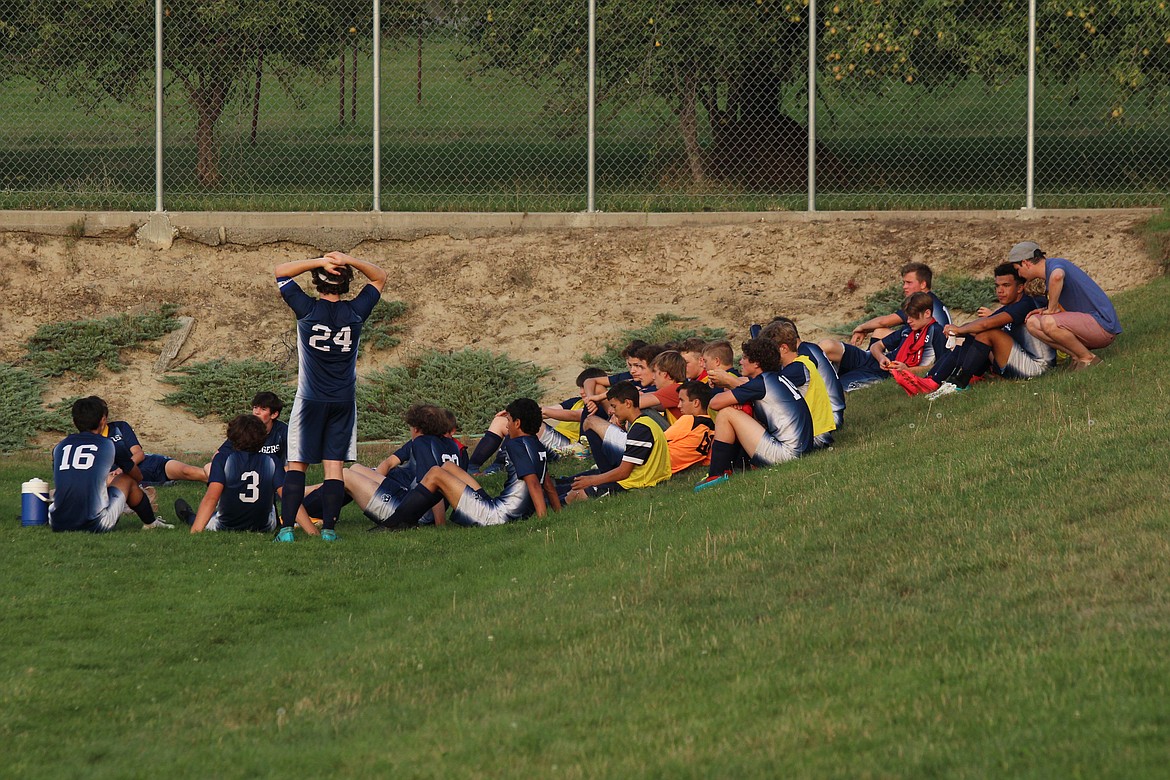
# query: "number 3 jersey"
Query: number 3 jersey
{"points": [[250, 481], [328, 333]]}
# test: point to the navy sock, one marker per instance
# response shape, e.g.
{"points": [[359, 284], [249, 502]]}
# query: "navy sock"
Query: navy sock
{"points": [[144, 510], [483, 450], [332, 493], [312, 504], [416, 504], [721, 454], [975, 362], [291, 497]]}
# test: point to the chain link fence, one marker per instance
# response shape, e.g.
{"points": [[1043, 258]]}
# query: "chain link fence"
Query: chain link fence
{"points": [[483, 105]]}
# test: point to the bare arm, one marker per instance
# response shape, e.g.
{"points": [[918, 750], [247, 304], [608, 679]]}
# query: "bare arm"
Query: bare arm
{"points": [[390, 463], [993, 322], [725, 379], [537, 494], [870, 325], [550, 490], [723, 401], [560, 415], [1055, 287], [376, 274], [620, 472], [207, 507]]}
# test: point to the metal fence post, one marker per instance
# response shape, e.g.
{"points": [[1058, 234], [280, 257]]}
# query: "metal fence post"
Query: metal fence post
{"points": [[1030, 198], [812, 105], [158, 106], [377, 100], [592, 127]]}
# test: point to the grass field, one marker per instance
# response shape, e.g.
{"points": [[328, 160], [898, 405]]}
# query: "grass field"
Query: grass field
{"points": [[978, 587], [485, 144]]}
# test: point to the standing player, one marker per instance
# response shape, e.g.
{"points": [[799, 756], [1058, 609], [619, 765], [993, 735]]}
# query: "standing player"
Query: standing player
{"points": [[323, 425], [89, 492]]}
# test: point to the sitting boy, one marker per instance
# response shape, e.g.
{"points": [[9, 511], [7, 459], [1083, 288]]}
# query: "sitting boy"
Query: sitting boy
{"points": [[718, 360], [802, 372], [89, 491], [242, 486], [916, 278], [567, 416], [1001, 339], [781, 428], [915, 347], [689, 439], [645, 458], [692, 351], [525, 488]]}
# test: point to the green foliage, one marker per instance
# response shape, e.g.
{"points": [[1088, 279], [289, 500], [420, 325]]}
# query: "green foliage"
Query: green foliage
{"points": [[380, 330], [661, 329], [83, 346], [474, 384], [21, 413], [225, 387], [1157, 232]]}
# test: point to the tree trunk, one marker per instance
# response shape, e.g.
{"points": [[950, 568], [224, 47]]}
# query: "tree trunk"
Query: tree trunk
{"points": [[688, 123], [208, 102]]}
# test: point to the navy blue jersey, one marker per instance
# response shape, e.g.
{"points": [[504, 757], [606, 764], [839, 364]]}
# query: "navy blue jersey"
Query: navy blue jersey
{"points": [[932, 349], [828, 373], [275, 444], [940, 313], [1019, 312], [779, 407], [250, 481], [523, 456], [423, 452], [328, 333], [81, 464], [798, 374], [123, 437]]}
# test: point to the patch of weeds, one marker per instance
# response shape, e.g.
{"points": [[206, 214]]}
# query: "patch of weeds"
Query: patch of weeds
{"points": [[225, 388], [661, 329], [474, 384], [1157, 233], [380, 330], [84, 346], [21, 413]]}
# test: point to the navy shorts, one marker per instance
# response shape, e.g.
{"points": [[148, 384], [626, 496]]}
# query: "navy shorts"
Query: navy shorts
{"points": [[154, 469], [320, 430], [859, 368], [604, 489]]}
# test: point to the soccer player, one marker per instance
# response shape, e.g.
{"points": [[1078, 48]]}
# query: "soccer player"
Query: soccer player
{"points": [[718, 357], [89, 491], [645, 458], [827, 371], [692, 351], [526, 487], [781, 428], [915, 347], [1079, 317], [323, 425], [999, 339], [803, 373], [242, 486], [567, 416], [152, 469], [689, 439]]}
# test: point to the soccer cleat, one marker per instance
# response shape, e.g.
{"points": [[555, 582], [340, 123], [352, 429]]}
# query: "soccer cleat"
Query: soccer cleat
{"points": [[713, 480], [946, 388], [158, 523], [284, 535], [329, 535], [184, 512]]}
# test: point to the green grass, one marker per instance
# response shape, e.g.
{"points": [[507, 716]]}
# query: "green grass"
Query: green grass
{"points": [[485, 144], [974, 588]]}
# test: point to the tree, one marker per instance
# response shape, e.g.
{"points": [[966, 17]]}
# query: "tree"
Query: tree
{"points": [[98, 50], [737, 60]]}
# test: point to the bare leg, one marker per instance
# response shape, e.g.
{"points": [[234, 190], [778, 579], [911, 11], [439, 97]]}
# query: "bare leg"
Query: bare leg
{"points": [[1045, 328], [1000, 343], [734, 425], [834, 350], [178, 470]]}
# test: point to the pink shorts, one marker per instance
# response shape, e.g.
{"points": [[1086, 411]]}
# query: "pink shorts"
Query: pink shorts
{"points": [[1087, 330]]}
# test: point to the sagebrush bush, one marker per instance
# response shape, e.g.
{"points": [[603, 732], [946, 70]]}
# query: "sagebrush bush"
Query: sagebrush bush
{"points": [[380, 330], [225, 388], [663, 328], [21, 413], [475, 384], [83, 346]]}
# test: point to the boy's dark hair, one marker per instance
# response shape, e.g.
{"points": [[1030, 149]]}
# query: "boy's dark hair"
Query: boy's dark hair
{"points": [[693, 344], [333, 284], [246, 433], [789, 321], [88, 413], [721, 351], [921, 270], [593, 372], [781, 332], [268, 400], [648, 353], [632, 347], [528, 413], [763, 353], [698, 391], [917, 304], [1008, 269], [623, 391], [452, 421], [428, 418], [671, 363]]}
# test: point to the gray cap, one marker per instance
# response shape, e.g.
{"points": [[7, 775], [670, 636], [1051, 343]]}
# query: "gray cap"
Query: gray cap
{"points": [[1025, 250]]}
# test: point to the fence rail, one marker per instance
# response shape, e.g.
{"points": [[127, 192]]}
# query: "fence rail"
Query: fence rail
{"points": [[348, 105]]}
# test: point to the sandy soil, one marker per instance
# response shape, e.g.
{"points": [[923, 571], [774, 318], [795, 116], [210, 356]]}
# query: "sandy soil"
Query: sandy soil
{"points": [[545, 296]]}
